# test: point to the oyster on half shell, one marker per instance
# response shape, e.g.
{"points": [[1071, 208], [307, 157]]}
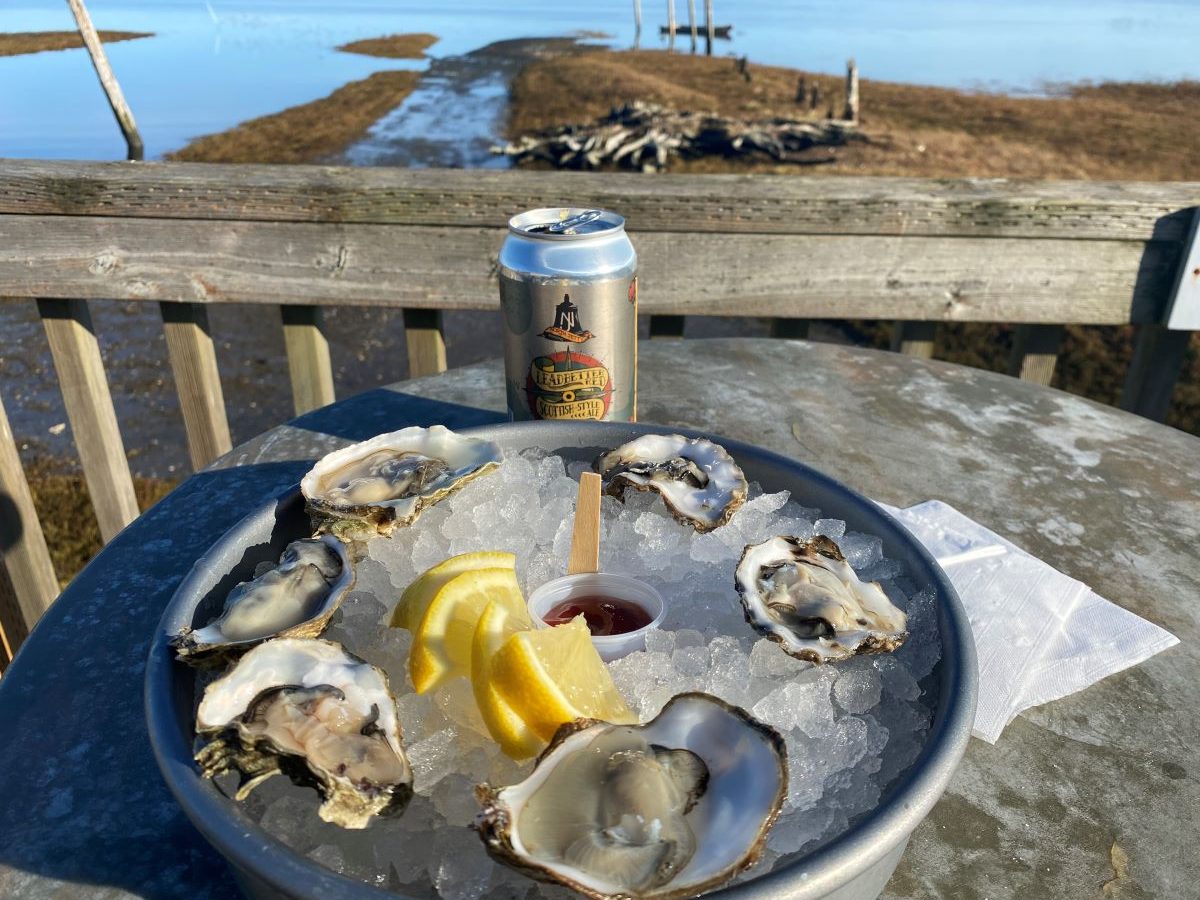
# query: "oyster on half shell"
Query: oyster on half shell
{"points": [[308, 709], [807, 598], [667, 809], [294, 598], [697, 479], [381, 484]]}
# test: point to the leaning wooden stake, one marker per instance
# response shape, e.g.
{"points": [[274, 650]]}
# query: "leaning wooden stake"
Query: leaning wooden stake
{"points": [[585, 538], [851, 111], [108, 80]]}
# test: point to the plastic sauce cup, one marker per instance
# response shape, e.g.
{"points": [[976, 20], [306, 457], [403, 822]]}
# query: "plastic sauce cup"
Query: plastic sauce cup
{"points": [[622, 587]]}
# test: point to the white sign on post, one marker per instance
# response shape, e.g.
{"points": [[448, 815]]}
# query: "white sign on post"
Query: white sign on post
{"points": [[1184, 312]]}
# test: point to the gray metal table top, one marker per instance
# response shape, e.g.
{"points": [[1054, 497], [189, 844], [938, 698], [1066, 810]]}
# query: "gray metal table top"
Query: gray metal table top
{"points": [[1093, 795]]}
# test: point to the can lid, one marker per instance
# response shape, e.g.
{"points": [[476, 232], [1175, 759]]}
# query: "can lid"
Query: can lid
{"points": [[568, 223]]}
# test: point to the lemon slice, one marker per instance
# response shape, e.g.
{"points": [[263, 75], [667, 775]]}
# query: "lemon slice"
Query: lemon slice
{"points": [[442, 641], [508, 729], [417, 596], [554, 675]]}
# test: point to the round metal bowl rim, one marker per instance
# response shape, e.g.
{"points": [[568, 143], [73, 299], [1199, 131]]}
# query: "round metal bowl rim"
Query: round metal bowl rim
{"points": [[900, 810]]}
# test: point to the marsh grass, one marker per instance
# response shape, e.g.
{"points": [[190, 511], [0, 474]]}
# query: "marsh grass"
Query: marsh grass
{"points": [[17, 43]]}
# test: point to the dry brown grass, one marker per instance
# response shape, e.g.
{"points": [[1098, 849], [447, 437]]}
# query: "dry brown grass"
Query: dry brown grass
{"points": [[1109, 131], [394, 46], [1140, 132], [68, 518], [309, 132], [17, 43]]}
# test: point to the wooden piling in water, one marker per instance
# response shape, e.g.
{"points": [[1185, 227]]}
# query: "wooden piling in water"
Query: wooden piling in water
{"points": [[692, 22], [637, 23], [108, 81], [850, 113], [709, 36], [671, 25]]}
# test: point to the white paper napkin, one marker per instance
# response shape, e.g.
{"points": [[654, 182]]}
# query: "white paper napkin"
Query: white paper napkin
{"points": [[1039, 634]]}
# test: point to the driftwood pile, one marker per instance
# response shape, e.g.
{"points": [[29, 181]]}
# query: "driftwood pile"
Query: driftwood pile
{"points": [[645, 136]]}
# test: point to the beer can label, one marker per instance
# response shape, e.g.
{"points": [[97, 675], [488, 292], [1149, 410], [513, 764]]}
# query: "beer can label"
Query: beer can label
{"points": [[571, 349]]}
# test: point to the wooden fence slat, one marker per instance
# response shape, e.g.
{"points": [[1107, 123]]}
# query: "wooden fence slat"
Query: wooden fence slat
{"points": [[789, 329], [197, 381], [851, 205], [669, 327], [914, 338], [81, 378], [1035, 352], [946, 279], [308, 357], [28, 584], [1158, 355], [426, 342]]}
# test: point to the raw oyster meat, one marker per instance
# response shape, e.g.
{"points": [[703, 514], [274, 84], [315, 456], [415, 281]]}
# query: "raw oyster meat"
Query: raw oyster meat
{"points": [[697, 479], [294, 598], [381, 484], [805, 596], [308, 709], [667, 809]]}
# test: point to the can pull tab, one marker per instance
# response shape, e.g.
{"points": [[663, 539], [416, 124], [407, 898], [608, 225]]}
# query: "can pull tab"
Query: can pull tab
{"points": [[569, 224]]}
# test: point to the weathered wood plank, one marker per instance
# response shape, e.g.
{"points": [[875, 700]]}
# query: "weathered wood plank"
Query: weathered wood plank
{"points": [[706, 203], [425, 340], [670, 327], [308, 357], [197, 381], [790, 329], [945, 279], [89, 406], [1035, 352], [1158, 355], [28, 584], [914, 338]]}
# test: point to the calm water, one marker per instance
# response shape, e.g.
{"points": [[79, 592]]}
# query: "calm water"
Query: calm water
{"points": [[217, 62]]}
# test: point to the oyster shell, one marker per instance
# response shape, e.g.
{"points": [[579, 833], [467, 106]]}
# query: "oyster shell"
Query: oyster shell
{"points": [[294, 598], [308, 709], [667, 809], [697, 479], [805, 596], [381, 484]]}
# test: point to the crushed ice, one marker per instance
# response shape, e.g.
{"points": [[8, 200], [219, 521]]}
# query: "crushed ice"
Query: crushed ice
{"points": [[850, 727]]}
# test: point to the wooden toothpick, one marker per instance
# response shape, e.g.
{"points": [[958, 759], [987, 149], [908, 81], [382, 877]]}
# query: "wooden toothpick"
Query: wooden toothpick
{"points": [[585, 539]]}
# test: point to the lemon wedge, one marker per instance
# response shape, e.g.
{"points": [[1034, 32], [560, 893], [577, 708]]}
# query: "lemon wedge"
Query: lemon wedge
{"points": [[507, 728], [442, 641], [554, 675], [417, 596]]}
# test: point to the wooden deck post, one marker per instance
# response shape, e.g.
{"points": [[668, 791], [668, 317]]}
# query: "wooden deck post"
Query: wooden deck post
{"points": [[426, 342], [1035, 352], [80, 369], [308, 357], [28, 584], [914, 338], [197, 381], [108, 81], [1158, 354]]}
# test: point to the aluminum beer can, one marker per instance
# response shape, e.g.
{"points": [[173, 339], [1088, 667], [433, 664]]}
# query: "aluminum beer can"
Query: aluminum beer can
{"points": [[568, 293]]}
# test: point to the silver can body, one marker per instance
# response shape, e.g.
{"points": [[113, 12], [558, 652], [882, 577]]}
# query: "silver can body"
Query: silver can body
{"points": [[568, 294]]}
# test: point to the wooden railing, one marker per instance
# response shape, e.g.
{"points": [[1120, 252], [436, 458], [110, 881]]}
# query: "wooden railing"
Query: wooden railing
{"points": [[916, 252]]}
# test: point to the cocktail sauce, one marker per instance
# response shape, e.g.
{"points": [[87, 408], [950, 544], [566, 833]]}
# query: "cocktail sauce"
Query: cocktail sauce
{"points": [[604, 615]]}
